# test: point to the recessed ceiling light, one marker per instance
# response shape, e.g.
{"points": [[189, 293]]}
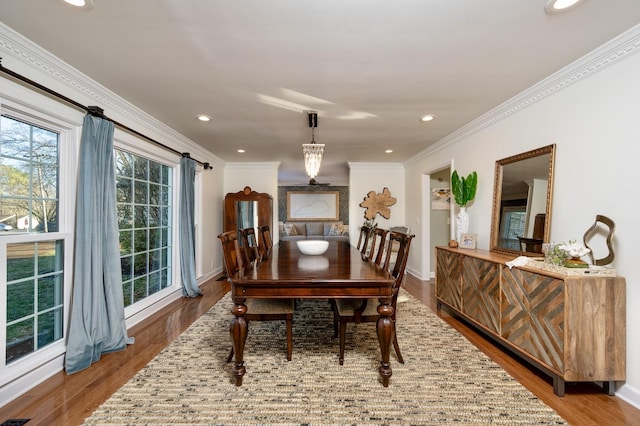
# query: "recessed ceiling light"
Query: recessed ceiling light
{"points": [[241, 151], [388, 151], [427, 117], [203, 117], [82, 4], [557, 6]]}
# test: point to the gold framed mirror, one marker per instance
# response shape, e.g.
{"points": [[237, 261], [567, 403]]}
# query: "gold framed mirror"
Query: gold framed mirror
{"points": [[522, 193]]}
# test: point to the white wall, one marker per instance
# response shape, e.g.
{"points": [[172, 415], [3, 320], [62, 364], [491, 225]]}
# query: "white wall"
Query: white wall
{"points": [[594, 124], [211, 222], [366, 177]]}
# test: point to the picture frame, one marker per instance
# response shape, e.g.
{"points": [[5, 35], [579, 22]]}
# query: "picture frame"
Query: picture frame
{"points": [[441, 198], [468, 241], [313, 205]]}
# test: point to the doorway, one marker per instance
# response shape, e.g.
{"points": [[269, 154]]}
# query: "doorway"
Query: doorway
{"points": [[439, 212]]}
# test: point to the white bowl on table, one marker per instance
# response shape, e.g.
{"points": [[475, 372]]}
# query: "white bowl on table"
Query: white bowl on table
{"points": [[312, 247]]}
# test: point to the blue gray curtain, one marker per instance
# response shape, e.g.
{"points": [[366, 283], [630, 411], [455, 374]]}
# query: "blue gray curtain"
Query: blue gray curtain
{"points": [[97, 309], [187, 233]]}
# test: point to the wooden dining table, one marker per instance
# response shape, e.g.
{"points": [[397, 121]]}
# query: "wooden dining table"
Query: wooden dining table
{"points": [[342, 272]]}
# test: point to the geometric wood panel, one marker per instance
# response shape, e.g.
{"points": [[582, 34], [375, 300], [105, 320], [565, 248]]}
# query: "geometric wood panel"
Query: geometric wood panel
{"points": [[448, 282], [533, 315], [602, 301], [481, 292]]}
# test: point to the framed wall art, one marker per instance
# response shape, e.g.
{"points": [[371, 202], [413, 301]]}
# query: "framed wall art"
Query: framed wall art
{"points": [[312, 205]]}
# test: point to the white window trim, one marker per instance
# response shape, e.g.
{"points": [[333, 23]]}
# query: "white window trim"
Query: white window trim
{"points": [[28, 371]]}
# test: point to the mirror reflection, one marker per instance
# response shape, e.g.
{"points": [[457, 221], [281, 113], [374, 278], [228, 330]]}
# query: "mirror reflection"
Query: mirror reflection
{"points": [[247, 214], [522, 202]]}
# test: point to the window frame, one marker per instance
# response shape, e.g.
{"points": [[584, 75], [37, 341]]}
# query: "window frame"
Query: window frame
{"points": [[127, 142], [68, 147]]}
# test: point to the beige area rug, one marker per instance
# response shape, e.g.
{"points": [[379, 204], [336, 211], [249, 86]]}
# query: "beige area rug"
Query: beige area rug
{"points": [[445, 379]]}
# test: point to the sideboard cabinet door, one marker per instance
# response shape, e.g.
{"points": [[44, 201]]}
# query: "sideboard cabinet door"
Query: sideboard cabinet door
{"points": [[448, 278], [481, 292], [533, 309]]}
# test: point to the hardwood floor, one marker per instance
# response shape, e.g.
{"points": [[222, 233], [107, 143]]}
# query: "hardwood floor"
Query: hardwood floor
{"points": [[67, 400]]}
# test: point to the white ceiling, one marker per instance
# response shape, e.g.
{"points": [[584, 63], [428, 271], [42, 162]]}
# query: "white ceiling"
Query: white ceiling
{"points": [[371, 68]]}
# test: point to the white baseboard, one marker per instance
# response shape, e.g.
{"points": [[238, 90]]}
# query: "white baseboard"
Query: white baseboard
{"points": [[629, 394], [22, 384]]}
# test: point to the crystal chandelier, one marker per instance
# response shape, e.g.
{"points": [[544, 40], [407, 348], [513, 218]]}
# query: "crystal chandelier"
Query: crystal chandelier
{"points": [[312, 151]]}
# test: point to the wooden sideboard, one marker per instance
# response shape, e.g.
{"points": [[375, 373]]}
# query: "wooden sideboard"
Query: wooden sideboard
{"points": [[571, 325]]}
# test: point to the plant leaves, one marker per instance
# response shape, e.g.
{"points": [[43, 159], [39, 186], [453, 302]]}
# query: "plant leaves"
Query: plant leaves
{"points": [[456, 187], [464, 189]]}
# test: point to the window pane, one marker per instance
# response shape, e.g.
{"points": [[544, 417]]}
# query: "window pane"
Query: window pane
{"points": [[124, 164], [49, 292], [140, 192], [20, 300], [20, 340], [140, 216], [126, 242], [155, 172], [140, 288], [125, 216], [141, 170], [49, 327], [141, 243], [28, 177], [20, 261], [124, 188], [127, 288]]}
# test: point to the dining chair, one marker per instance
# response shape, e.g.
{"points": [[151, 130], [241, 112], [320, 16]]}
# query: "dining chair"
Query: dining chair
{"points": [[257, 309], [249, 245], [357, 311], [381, 235], [265, 241]]}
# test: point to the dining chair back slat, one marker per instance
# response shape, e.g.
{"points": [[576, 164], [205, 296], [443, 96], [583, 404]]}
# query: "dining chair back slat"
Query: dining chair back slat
{"points": [[364, 232], [249, 245], [266, 242], [378, 236]]}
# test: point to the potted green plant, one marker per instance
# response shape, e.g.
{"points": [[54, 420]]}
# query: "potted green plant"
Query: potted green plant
{"points": [[464, 191]]}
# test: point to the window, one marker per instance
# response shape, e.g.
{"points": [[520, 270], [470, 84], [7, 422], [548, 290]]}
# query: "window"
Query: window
{"points": [[144, 202], [33, 284], [513, 219]]}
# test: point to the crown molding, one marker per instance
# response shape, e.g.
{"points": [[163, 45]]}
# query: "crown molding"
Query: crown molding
{"points": [[615, 50], [36, 63]]}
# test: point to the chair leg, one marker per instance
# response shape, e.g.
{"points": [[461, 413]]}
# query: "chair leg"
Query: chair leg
{"points": [[397, 348], [343, 333], [289, 321], [230, 356], [335, 319]]}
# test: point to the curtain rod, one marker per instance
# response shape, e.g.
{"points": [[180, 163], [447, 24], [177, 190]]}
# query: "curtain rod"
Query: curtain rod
{"points": [[95, 111]]}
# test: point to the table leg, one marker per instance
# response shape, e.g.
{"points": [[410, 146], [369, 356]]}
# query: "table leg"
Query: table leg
{"points": [[386, 331], [238, 331]]}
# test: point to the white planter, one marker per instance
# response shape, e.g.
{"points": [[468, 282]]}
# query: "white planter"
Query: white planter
{"points": [[462, 223]]}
